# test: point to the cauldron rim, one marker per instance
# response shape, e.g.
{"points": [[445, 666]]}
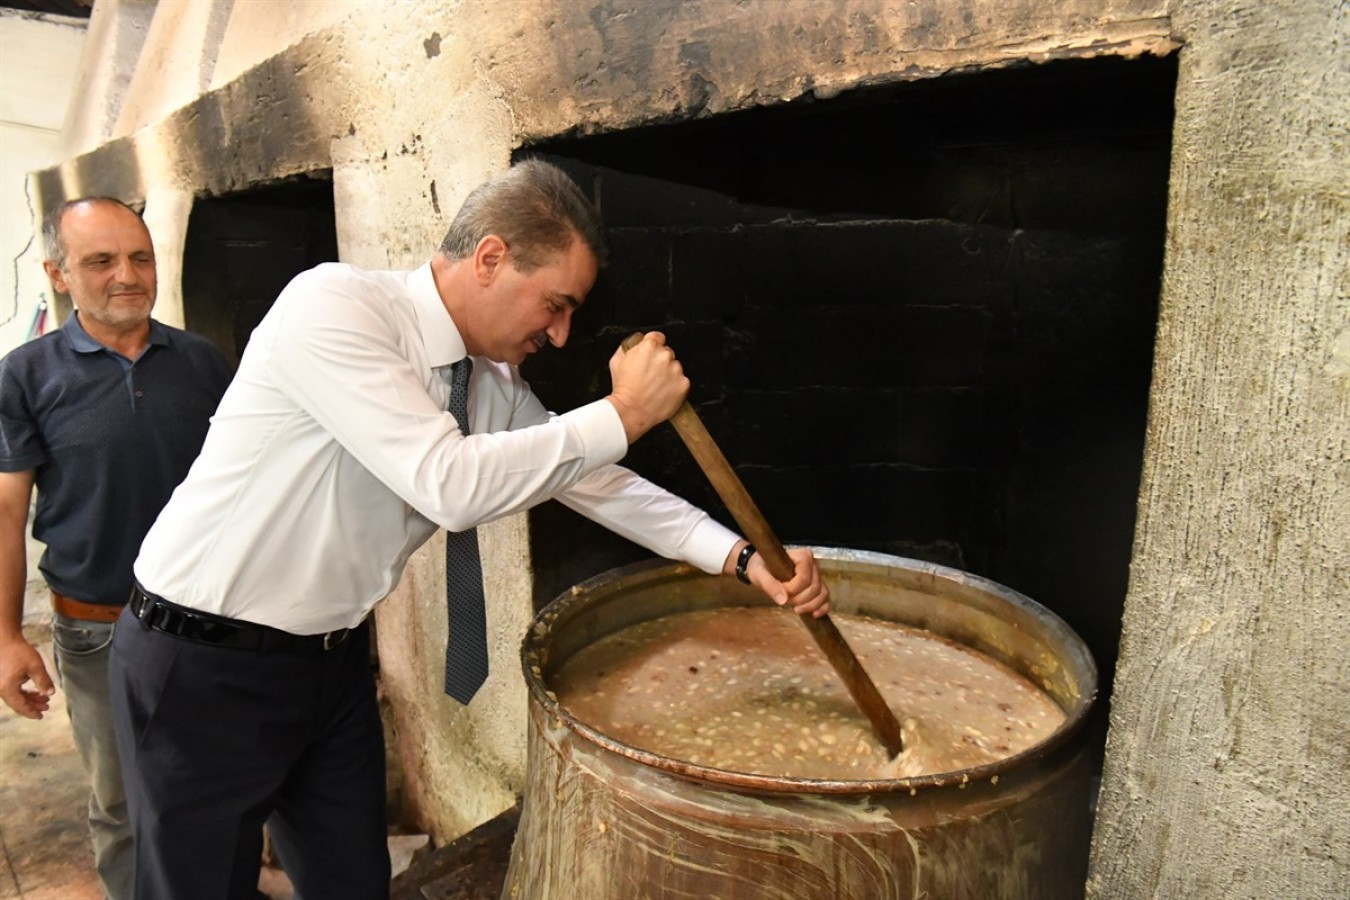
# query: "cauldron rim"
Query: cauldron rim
{"points": [[542, 626]]}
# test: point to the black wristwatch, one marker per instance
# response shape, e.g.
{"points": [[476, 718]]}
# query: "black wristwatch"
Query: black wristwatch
{"points": [[741, 561]]}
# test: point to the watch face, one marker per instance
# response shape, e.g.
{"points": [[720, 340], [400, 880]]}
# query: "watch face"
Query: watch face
{"points": [[742, 561]]}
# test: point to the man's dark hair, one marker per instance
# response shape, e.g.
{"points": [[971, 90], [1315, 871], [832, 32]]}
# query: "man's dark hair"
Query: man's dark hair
{"points": [[54, 248], [535, 208]]}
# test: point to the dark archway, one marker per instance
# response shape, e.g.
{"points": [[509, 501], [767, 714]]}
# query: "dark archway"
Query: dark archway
{"points": [[919, 319], [242, 249]]}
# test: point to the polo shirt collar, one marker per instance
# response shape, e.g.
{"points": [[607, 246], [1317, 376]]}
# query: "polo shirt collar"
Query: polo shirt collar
{"points": [[83, 343], [441, 338]]}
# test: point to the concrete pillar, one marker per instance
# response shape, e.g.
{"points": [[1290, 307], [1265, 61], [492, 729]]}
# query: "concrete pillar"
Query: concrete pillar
{"points": [[1227, 755]]}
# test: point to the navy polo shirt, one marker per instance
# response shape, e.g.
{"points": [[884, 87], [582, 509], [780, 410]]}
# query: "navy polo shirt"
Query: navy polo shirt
{"points": [[109, 439]]}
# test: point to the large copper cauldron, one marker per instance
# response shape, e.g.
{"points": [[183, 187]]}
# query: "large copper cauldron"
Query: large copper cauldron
{"points": [[606, 821]]}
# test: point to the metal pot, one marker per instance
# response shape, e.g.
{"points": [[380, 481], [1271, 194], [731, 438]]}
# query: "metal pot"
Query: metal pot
{"points": [[607, 821]]}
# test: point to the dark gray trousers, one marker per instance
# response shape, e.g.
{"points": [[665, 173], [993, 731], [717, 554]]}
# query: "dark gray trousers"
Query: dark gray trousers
{"points": [[217, 741]]}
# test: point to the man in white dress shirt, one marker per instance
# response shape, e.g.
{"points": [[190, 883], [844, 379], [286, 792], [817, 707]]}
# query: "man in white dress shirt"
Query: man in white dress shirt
{"points": [[242, 690]]}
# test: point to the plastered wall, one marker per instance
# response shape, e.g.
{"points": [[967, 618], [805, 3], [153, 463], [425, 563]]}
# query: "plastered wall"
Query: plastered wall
{"points": [[36, 56], [1223, 735], [1226, 757]]}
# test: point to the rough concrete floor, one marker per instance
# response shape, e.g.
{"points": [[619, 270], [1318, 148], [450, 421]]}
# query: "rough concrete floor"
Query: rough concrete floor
{"points": [[43, 804]]}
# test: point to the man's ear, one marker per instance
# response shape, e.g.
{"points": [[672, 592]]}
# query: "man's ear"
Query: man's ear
{"points": [[488, 259], [57, 277]]}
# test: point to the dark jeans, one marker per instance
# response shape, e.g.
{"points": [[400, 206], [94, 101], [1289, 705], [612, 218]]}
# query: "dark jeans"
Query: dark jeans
{"points": [[216, 741]]}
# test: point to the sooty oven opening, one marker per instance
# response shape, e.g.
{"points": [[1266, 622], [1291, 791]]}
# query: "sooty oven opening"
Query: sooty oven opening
{"points": [[242, 248], [918, 319]]}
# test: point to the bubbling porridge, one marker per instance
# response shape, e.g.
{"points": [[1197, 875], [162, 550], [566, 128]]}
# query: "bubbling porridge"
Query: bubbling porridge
{"points": [[745, 689]]}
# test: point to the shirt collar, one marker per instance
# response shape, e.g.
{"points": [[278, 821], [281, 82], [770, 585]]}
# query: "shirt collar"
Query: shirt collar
{"points": [[441, 338], [83, 343]]}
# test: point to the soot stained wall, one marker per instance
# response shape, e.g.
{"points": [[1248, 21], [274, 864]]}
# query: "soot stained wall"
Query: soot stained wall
{"points": [[917, 320]]}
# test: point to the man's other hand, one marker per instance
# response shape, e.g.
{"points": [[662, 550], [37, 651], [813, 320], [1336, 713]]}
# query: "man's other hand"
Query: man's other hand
{"points": [[20, 663], [649, 384]]}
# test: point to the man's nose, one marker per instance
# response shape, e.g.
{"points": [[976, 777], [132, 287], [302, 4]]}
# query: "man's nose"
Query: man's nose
{"points": [[125, 271], [560, 329]]}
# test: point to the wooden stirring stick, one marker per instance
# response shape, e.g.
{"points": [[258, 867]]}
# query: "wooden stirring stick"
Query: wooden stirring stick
{"points": [[747, 515]]}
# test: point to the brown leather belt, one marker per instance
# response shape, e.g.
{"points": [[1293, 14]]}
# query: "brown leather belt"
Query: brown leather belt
{"points": [[91, 612]]}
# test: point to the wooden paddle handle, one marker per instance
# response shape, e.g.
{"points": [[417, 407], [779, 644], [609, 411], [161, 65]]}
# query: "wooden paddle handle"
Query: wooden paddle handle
{"points": [[756, 529]]}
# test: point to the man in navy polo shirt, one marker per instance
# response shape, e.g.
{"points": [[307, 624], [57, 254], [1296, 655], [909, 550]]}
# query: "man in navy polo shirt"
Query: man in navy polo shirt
{"points": [[104, 417]]}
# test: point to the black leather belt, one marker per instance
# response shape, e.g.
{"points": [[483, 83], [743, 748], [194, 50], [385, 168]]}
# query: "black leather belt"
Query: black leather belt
{"points": [[205, 628]]}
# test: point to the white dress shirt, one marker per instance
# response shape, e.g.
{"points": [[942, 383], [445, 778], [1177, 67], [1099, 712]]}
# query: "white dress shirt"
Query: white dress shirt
{"points": [[331, 458]]}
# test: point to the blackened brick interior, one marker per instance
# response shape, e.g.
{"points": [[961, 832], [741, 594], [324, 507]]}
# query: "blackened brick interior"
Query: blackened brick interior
{"points": [[242, 249], [918, 319]]}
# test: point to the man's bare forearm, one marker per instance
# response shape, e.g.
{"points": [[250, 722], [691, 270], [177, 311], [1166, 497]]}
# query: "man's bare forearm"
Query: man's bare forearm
{"points": [[16, 491]]}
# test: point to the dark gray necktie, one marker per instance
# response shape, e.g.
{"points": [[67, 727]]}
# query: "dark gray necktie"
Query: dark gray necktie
{"points": [[466, 660]]}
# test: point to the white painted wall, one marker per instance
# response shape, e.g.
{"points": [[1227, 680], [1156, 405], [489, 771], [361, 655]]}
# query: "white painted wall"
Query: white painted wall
{"points": [[39, 55]]}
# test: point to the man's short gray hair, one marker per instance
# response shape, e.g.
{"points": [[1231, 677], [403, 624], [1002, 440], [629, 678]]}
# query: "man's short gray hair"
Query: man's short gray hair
{"points": [[53, 246], [535, 208]]}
